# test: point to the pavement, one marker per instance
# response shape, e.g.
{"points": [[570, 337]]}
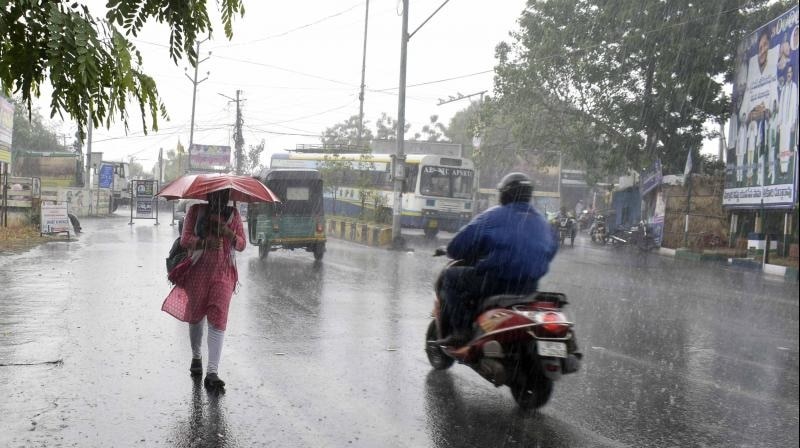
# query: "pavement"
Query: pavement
{"points": [[330, 354]]}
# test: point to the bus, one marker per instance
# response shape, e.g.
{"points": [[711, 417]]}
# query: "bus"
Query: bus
{"points": [[437, 194]]}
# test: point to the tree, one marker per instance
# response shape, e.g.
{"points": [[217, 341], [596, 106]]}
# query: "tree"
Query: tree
{"points": [[91, 62], [346, 134], [433, 131], [31, 132], [617, 84], [387, 128], [253, 164], [333, 170]]}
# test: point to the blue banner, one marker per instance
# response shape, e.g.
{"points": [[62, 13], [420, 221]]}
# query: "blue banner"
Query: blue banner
{"points": [[106, 176]]}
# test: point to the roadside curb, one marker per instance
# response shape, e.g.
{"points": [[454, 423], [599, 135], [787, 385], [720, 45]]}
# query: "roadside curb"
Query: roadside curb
{"points": [[368, 234], [787, 272]]}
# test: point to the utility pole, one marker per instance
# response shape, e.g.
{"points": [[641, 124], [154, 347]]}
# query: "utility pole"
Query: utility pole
{"points": [[89, 126], [363, 73], [398, 172], [238, 139], [399, 159], [160, 166], [195, 82]]}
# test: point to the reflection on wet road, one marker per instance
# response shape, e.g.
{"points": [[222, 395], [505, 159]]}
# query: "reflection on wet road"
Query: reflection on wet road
{"points": [[331, 353]]}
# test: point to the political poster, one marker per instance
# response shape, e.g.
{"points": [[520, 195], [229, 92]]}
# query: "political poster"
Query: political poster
{"points": [[106, 176], [762, 138], [144, 208], [6, 127], [54, 218], [144, 188], [209, 157]]}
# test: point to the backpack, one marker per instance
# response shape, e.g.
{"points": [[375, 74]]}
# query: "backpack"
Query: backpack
{"points": [[177, 253]]}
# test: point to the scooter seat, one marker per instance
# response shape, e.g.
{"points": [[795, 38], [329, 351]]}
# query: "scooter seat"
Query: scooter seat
{"points": [[509, 300]]}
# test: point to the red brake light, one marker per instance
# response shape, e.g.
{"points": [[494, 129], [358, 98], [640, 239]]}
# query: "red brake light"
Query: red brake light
{"points": [[553, 324], [319, 227]]}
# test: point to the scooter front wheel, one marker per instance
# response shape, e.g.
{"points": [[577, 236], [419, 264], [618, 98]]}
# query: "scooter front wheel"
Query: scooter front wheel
{"points": [[436, 356]]}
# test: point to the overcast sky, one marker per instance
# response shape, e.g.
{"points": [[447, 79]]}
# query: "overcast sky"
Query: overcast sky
{"points": [[298, 65]]}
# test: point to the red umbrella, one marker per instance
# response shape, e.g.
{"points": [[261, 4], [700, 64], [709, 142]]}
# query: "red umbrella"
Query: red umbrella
{"points": [[198, 186]]}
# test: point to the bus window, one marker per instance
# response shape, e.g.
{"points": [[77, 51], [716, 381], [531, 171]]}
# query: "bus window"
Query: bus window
{"points": [[410, 185], [435, 182], [462, 187]]}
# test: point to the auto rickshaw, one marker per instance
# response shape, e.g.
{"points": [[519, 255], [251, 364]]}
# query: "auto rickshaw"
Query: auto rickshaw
{"points": [[298, 221]]}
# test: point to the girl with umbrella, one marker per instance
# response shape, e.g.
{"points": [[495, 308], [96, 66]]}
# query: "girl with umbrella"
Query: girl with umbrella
{"points": [[211, 234]]}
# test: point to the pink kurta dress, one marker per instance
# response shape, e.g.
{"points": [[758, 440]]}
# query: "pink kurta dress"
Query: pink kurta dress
{"points": [[207, 288]]}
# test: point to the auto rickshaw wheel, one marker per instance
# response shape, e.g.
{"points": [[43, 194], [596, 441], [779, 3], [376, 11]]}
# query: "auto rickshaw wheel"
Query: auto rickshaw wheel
{"points": [[319, 251], [263, 251]]}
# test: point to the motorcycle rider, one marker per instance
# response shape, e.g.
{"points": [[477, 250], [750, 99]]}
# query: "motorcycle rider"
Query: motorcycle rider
{"points": [[564, 214], [507, 249]]}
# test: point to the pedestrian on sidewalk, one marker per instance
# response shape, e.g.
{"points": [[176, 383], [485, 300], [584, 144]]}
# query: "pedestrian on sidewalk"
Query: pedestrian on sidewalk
{"points": [[211, 234]]}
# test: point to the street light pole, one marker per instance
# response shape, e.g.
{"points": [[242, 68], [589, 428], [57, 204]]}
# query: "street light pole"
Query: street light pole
{"points": [[195, 82], [363, 73], [399, 159]]}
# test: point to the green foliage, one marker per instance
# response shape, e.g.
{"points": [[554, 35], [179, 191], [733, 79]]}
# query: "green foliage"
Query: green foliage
{"points": [[433, 131], [346, 134], [616, 84], [253, 164], [90, 62], [387, 128], [31, 132]]}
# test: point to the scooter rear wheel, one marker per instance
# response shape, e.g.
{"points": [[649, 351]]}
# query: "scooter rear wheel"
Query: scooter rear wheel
{"points": [[531, 391], [436, 356]]}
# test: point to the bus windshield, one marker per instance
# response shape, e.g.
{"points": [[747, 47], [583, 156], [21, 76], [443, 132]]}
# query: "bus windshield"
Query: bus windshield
{"points": [[446, 182]]}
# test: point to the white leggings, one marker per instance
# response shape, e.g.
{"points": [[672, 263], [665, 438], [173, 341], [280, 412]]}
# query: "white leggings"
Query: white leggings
{"points": [[215, 338]]}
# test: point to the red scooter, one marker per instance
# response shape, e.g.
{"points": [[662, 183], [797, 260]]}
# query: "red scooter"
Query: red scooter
{"points": [[523, 342]]}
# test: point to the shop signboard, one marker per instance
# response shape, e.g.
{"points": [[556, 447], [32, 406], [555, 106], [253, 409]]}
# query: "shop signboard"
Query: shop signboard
{"points": [[762, 138]]}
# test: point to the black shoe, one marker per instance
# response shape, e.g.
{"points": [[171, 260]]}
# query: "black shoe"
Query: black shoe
{"points": [[196, 369], [452, 340], [213, 381]]}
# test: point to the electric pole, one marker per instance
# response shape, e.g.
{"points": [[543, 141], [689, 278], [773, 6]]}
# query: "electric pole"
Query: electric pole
{"points": [[363, 73], [399, 158], [195, 82], [238, 139]]}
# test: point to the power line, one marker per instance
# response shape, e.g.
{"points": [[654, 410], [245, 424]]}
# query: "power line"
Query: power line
{"points": [[284, 33], [296, 72], [265, 131], [311, 115]]}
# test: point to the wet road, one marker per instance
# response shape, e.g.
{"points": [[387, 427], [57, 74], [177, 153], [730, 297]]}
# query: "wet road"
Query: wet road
{"points": [[330, 355]]}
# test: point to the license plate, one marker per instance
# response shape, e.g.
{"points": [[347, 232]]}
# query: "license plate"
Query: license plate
{"points": [[552, 349], [432, 224]]}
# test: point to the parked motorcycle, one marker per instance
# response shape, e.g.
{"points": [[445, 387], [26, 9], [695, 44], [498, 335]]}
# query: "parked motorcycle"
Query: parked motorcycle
{"points": [[523, 342], [599, 232], [640, 235]]}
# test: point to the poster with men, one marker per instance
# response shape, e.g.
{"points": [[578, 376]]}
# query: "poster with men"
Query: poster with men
{"points": [[762, 137]]}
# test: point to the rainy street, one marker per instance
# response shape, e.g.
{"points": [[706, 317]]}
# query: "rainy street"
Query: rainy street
{"points": [[330, 354]]}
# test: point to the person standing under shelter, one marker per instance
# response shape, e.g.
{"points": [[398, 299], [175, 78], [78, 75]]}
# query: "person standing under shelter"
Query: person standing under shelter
{"points": [[211, 234]]}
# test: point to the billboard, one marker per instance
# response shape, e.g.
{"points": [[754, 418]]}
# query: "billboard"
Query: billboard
{"points": [[762, 138], [209, 158], [6, 126], [56, 169], [54, 218]]}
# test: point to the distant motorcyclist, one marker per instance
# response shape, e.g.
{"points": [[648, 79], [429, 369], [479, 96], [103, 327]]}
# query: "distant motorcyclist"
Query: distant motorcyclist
{"points": [[507, 248]]}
